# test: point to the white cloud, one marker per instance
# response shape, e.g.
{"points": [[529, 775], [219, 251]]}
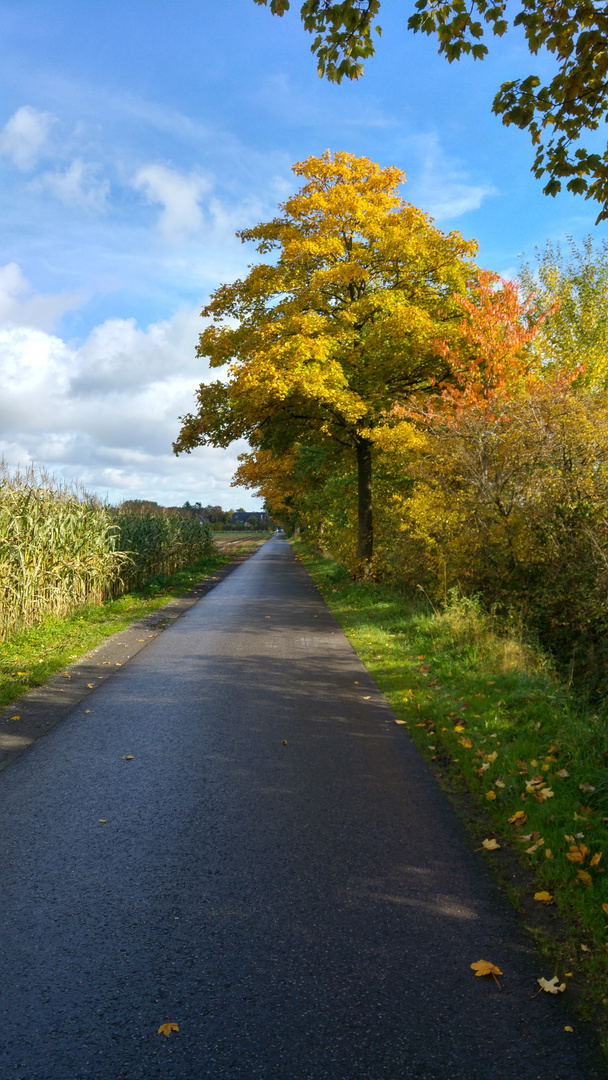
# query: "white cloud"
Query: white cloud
{"points": [[441, 186], [178, 194], [78, 186], [19, 309], [24, 135], [106, 412]]}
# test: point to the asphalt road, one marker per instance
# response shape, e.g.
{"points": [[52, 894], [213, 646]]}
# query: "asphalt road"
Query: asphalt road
{"points": [[306, 911]]}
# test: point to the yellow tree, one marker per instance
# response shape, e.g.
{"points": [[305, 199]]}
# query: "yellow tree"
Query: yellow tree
{"points": [[323, 340]]}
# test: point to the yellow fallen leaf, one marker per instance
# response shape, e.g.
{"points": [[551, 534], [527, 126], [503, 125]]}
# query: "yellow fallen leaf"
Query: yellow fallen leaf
{"points": [[103, 820], [490, 845], [484, 967], [546, 793], [544, 897], [492, 757], [605, 908], [459, 727], [586, 787], [91, 685], [106, 662], [466, 743], [585, 948], [485, 765], [545, 767], [551, 985], [518, 817], [367, 697], [87, 710], [563, 773], [127, 757], [583, 876], [490, 795], [498, 784], [568, 1028], [595, 858], [17, 717], [548, 853], [535, 846], [166, 1029], [577, 854]]}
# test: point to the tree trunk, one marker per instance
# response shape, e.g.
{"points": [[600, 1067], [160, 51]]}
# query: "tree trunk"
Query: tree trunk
{"points": [[365, 534]]}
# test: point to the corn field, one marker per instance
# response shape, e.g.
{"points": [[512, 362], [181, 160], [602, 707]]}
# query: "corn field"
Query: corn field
{"points": [[61, 549]]}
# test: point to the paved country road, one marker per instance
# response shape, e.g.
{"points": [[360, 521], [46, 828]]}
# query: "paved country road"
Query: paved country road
{"points": [[305, 911]]}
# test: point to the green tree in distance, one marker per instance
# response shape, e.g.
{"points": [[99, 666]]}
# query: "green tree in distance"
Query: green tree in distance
{"points": [[575, 100], [323, 341]]}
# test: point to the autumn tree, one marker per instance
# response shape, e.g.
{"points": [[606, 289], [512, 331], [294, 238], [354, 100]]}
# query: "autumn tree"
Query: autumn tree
{"points": [[570, 287], [575, 100], [323, 340]]}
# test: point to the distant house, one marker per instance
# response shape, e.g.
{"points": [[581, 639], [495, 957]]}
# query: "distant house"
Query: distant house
{"points": [[244, 515]]}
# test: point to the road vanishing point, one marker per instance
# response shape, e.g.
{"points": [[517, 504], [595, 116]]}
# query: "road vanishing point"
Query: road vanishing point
{"points": [[274, 870]]}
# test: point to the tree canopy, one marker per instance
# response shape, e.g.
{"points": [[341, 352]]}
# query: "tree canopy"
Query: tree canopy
{"points": [[321, 342], [556, 114]]}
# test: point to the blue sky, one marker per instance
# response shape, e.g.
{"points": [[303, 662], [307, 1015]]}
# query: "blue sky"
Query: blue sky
{"points": [[136, 137]]}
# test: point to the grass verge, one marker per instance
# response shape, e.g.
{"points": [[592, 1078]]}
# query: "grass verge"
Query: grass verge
{"points": [[523, 760], [29, 658]]}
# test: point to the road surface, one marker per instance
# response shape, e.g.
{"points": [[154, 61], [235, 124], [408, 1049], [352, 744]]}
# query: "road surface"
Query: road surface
{"points": [[274, 870]]}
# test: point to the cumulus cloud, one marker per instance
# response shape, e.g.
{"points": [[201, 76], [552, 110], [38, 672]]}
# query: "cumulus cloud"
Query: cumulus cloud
{"points": [[78, 186], [106, 412], [23, 136], [18, 308], [178, 194]]}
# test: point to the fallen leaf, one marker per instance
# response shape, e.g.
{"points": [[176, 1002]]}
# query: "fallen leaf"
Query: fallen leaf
{"points": [[544, 897], [367, 698], [568, 1028], [87, 710], [484, 967], [535, 847], [583, 876], [586, 787], [490, 795], [490, 845], [605, 908], [595, 858], [485, 765], [585, 948], [166, 1029], [91, 685], [466, 743], [127, 757], [103, 820], [519, 818], [548, 853], [551, 985], [498, 784], [106, 662], [17, 717], [563, 773], [458, 727], [492, 757], [577, 854], [283, 742]]}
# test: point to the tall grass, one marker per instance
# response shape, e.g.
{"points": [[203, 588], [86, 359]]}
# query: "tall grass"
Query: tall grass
{"points": [[61, 548]]}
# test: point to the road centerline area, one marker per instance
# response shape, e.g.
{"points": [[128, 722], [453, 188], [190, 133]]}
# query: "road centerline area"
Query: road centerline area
{"points": [[240, 840]]}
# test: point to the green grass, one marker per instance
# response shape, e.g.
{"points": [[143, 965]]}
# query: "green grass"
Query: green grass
{"points": [[489, 715], [29, 658]]}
